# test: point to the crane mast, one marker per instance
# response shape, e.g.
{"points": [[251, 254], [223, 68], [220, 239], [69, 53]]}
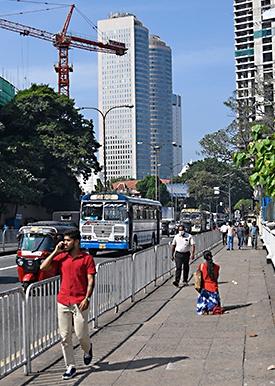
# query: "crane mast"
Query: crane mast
{"points": [[63, 42]]}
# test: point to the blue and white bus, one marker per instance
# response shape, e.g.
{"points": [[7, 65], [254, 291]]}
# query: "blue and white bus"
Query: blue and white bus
{"points": [[117, 222]]}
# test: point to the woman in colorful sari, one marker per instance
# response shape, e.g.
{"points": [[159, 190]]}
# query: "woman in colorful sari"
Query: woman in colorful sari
{"points": [[209, 299]]}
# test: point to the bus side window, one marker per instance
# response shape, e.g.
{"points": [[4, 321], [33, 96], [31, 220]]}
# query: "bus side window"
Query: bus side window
{"points": [[135, 214]]}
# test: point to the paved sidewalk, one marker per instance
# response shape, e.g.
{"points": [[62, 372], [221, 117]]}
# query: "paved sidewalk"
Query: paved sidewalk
{"points": [[161, 341]]}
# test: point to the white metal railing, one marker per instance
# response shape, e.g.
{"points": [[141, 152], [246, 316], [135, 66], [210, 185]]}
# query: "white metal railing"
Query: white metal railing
{"points": [[29, 325], [8, 237], [268, 237], [13, 347]]}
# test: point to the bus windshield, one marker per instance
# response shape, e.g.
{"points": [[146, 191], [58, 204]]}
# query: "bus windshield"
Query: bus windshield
{"points": [[115, 211], [186, 216], [92, 211], [195, 216], [108, 211]]}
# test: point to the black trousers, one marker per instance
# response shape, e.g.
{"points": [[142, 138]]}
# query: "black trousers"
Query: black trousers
{"points": [[182, 260]]}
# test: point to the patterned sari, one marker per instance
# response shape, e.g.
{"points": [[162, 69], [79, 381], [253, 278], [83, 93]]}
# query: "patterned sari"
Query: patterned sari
{"points": [[207, 301]]}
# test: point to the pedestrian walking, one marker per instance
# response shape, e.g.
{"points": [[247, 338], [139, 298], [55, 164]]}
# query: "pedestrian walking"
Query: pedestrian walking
{"points": [[240, 235], [246, 232], [254, 232], [223, 230], [209, 302], [230, 236], [183, 249], [77, 270]]}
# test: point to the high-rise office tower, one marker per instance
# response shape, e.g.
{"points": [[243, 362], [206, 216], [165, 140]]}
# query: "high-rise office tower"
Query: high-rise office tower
{"points": [[143, 78], [161, 118], [125, 80], [254, 50], [177, 135]]}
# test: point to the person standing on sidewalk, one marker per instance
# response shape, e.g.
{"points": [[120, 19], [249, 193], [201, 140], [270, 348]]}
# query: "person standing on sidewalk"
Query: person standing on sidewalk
{"points": [[183, 249], [209, 302], [230, 236], [254, 232], [240, 234], [246, 232], [223, 230], [77, 283]]}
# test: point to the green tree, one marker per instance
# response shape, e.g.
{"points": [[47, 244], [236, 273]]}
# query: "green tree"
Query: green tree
{"points": [[260, 157], [44, 138], [220, 144], [203, 175], [147, 189], [244, 205]]}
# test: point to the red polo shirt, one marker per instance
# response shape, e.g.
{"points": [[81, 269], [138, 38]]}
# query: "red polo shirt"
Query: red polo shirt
{"points": [[74, 280]]}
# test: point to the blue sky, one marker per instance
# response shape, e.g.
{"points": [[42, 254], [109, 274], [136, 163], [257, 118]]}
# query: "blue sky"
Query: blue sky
{"points": [[200, 34]]}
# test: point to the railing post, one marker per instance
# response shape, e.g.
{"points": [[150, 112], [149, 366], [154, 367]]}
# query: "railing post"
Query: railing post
{"points": [[27, 367], [3, 239], [133, 279], [95, 303]]}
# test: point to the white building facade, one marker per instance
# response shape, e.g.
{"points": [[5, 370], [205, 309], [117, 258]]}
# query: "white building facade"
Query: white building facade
{"points": [[125, 80]]}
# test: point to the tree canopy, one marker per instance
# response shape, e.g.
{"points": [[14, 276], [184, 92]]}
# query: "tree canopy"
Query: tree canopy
{"points": [[220, 144], [147, 189], [202, 176], [260, 157], [45, 144]]}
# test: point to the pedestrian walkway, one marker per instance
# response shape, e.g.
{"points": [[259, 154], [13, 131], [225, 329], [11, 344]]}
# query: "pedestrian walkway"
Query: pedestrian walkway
{"points": [[161, 341]]}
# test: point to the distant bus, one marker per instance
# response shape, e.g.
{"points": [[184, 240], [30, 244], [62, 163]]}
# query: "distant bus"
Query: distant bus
{"points": [[197, 217], [220, 218], [117, 222]]}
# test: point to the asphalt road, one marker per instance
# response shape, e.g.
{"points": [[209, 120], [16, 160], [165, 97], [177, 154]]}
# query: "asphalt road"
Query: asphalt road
{"points": [[8, 270], [8, 267]]}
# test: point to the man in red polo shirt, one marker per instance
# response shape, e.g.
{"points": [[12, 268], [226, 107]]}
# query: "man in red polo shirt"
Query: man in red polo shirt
{"points": [[77, 282]]}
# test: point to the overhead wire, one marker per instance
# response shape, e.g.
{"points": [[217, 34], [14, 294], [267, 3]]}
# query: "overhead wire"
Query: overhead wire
{"points": [[57, 6]]}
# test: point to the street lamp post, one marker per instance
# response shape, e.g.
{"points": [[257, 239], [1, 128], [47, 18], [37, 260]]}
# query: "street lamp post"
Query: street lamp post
{"points": [[156, 149], [171, 177], [104, 115], [217, 190]]}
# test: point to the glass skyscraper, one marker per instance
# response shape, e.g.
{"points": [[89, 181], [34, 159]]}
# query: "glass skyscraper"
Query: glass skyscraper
{"points": [[143, 78]]}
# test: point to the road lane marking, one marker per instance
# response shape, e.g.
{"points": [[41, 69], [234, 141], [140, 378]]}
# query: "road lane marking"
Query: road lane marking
{"points": [[12, 266]]}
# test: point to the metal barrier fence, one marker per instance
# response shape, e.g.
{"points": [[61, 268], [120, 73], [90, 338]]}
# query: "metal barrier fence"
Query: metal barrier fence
{"points": [[29, 325], [8, 237]]}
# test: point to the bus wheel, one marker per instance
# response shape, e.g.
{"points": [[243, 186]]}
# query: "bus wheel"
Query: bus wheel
{"points": [[92, 251], [134, 245]]}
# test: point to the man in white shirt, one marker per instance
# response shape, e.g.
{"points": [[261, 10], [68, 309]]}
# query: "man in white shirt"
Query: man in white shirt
{"points": [[183, 249], [223, 230]]}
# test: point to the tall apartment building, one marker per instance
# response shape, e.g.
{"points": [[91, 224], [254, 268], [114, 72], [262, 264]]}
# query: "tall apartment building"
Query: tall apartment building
{"points": [[143, 78], [254, 22]]}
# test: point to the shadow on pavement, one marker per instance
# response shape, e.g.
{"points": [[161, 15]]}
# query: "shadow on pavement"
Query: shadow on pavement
{"points": [[149, 363], [234, 307]]}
